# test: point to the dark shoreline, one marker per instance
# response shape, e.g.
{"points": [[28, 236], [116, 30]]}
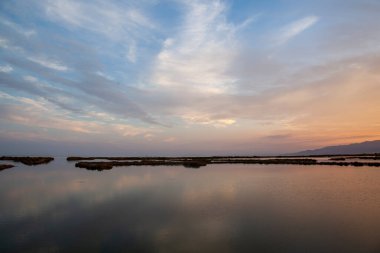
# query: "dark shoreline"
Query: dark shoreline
{"points": [[90, 163], [28, 160], [197, 162], [5, 166]]}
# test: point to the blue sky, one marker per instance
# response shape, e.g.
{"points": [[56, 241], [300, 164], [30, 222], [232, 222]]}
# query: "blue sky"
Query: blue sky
{"points": [[194, 77]]}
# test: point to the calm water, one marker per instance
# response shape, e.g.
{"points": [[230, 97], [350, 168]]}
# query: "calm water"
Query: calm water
{"points": [[218, 208]]}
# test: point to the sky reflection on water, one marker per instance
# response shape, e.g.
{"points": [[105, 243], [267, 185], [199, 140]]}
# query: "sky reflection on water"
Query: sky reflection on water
{"points": [[218, 208]]}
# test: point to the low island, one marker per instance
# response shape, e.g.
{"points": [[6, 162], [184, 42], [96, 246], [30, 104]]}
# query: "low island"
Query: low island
{"points": [[108, 163], [28, 160], [5, 166]]}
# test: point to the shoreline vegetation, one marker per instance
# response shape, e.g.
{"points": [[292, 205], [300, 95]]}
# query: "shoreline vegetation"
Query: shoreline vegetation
{"points": [[107, 163], [28, 160], [5, 166], [90, 163]]}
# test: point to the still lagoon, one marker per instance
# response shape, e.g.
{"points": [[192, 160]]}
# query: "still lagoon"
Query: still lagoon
{"points": [[217, 208]]}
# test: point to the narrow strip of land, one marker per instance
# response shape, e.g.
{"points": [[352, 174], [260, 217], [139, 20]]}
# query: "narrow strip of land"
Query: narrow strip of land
{"points": [[90, 163], [28, 160], [5, 166]]}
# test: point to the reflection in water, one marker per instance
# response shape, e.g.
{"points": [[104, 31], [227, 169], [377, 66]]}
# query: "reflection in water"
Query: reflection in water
{"points": [[220, 208]]}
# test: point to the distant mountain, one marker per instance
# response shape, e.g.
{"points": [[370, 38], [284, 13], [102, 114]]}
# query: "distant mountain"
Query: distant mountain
{"points": [[355, 148]]}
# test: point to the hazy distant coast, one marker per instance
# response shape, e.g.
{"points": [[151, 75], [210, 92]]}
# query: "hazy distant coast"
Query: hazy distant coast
{"points": [[368, 147]]}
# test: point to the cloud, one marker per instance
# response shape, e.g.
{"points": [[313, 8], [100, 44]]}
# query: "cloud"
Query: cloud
{"points": [[295, 109], [103, 17], [123, 23], [17, 28], [131, 54], [205, 119], [6, 69], [4, 43], [49, 63], [197, 58], [32, 86], [293, 29], [43, 114], [170, 139], [78, 94]]}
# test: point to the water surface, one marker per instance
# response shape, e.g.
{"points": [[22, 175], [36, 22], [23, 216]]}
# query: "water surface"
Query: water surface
{"points": [[217, 208]]}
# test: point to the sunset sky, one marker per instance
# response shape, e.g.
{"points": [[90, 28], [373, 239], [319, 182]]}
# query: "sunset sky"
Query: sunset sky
{"points": [[187, 77]]}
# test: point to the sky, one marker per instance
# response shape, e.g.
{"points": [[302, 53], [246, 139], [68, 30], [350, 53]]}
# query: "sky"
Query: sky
{"points": [[187, 77]]}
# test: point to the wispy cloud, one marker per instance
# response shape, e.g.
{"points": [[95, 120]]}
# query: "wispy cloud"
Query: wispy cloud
{"points": [[43, 114], [206, 119], [293, 29], [123, 22], [25, 32], [6, 44], [131, 54], [198, 57], [93, 90], [49, 63], [6, 69], [103, 17]]}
